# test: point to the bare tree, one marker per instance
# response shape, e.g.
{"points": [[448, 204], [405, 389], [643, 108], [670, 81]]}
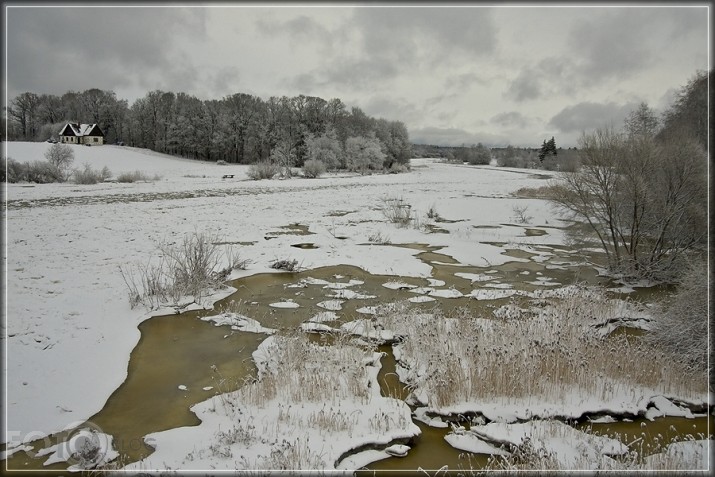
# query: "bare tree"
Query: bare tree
{"points": [[60, 156], [643, 199], [23, 109]]}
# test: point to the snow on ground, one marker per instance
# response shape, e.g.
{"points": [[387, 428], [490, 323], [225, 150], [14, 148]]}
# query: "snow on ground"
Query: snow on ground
{"points": [[686, 455], [570, 448], [69, 329]]}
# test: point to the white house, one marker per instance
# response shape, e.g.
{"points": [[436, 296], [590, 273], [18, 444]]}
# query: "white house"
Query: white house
{"points": [[74, 133]]}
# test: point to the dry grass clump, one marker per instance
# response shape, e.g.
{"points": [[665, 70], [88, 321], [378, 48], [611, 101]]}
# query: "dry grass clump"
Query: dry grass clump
{"points": [[190, 268], [531, 457], [312, 372], [552, 354], [379, 238], [397, 211], [547, 192], [287, 265], [136, 176]]}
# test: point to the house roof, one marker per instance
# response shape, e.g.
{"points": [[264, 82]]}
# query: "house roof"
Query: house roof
{"points": [[81, 130]]}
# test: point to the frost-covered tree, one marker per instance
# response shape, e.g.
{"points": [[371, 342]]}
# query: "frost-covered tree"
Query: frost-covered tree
{"points": [[642, 122], [60, 156], [284, 155], [363, 153], [325, 148], [479, 155]]}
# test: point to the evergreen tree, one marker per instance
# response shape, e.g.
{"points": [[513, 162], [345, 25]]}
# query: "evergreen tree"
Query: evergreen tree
{"points": [[547, 148]]}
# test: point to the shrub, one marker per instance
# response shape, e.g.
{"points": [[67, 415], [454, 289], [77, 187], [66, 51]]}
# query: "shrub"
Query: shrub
{"points": [[90, 176], [520, 214], [262, 170], [398, 168], [221, 162], [16, 171], [134, 177], [681, 326], [313, 168], [512, 161], [42, 172], [288, 265]]}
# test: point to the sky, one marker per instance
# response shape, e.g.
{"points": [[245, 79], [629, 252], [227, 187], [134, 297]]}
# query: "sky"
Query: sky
{"points": [[462, 74]]}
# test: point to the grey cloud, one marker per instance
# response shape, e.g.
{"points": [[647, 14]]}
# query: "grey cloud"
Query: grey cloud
{"points": [[667, 100], [620, 42], [464, 81], [617, 50], [305, 26], [587, 116], [224, 81], [511, 119], [467, 29], [400, 40], [454, 137], [394, 109], [389, 42], [550, 75], [304, 83], [87, 47], [612, 45], [359, 74], [302, 27], [526, 86]]}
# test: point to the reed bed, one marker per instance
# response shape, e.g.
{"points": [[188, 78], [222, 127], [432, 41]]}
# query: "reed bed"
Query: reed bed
{"points": [[550, 353]]}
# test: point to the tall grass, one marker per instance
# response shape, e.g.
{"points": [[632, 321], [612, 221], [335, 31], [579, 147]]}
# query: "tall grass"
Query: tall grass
{"points": [[324, 388], [397, 211], [548, 354], [188, 269]]}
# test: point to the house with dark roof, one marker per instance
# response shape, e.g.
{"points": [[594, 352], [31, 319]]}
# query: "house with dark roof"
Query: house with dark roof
{"points": [[74, 133]]}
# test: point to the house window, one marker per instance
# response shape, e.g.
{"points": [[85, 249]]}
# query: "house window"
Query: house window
{"points": [[96, 139]]}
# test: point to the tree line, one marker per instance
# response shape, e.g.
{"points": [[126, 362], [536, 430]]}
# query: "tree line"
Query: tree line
{"points": [[239, 128]]}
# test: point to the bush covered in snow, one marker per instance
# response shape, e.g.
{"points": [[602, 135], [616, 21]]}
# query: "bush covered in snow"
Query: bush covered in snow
{"points": [[135, 176], [313, 168], [39, 172], [681, 327], [262, 170], [90, 176]]}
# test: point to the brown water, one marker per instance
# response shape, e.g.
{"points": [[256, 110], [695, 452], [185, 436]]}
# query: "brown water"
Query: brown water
{"points": [[173, 350], [181, 349]]}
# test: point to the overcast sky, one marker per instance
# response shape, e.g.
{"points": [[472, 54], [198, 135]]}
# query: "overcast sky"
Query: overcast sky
{"points": [[465, 74]]}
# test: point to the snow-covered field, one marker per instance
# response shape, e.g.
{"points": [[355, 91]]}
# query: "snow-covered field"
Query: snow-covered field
{"points": [[69, 329]]}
